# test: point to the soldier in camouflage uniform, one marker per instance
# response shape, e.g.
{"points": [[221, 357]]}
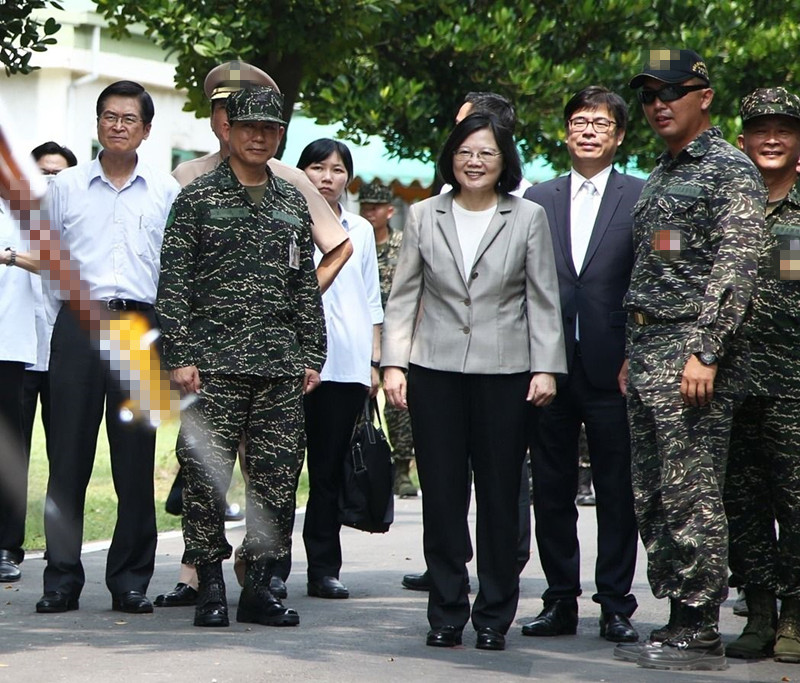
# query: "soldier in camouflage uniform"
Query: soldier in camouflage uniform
{"points": [[243, 329], [375, 201], [697, 230], [763, 478]]}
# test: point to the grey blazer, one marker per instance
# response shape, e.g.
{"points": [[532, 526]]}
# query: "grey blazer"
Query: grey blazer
{"points": [[502, 317]]}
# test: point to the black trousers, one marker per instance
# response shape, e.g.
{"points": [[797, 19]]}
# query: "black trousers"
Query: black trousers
{"points": [[80, 389], [459, 421], [331, 413], [554, 458], [13, 460], [35, 388]]}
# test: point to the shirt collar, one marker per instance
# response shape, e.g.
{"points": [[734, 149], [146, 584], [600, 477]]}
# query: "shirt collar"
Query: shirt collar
{"points": [[599, 180], [139, 171]]}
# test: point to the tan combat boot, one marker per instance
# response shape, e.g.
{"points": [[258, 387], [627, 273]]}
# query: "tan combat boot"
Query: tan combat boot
{"points": [[787, 644], [403, 486], [758, 636]]}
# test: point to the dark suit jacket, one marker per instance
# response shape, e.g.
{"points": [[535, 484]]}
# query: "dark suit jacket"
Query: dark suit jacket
{"points": [[596, 292]]}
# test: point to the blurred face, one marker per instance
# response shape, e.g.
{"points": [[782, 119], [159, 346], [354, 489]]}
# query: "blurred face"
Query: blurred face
{"points": [[252, 143], [377, 214], [772, 142], [586, 145], [678, 121], [51, 164], [329, 177], [477, 163], [120, 128]]}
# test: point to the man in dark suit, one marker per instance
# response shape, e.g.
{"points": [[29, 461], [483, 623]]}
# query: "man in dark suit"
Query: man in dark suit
{"points": [[589, 212]]}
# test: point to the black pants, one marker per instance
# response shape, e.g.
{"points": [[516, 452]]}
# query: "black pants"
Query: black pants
{"points": [[13, 460], [554, 459], [80, 388], [459, 421], [35, 388], [331, 413]]}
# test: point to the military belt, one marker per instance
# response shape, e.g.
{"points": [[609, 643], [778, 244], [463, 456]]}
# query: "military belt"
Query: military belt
{"points": [[642, 318]]}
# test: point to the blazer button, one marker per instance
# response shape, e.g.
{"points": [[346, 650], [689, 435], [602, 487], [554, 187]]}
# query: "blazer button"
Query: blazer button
{"points": [[465, 329], [474, 275], [467, 302]]}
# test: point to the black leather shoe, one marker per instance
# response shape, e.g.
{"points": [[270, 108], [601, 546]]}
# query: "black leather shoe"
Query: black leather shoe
{"points": [[421, 582], [181, 596], [278, 588], [328, 587], [557, 619], [490, 639], [9, 569], [233, 513], [444, 636], [53, 601], [132, 602], [617, 628]]}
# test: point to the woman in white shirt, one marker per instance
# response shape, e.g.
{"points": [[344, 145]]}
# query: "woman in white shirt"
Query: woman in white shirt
{"points": [[353, 316]]}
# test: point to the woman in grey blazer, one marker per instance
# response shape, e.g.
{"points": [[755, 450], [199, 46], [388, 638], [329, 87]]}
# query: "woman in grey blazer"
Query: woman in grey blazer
{"points": [[474, 318]]}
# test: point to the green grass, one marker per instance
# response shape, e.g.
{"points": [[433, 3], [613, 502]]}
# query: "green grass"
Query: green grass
{"points": [[101, 502]]}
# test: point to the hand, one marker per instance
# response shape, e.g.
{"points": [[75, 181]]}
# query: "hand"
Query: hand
{"points": [[187, 379], [394, 386], [375, 379], [310, 381], [542, 389], [622, 378], [697, 383]]}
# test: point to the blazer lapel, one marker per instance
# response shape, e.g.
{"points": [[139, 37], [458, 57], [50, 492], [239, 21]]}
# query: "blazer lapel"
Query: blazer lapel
{"points": [[447, 226], [608, 205], [562, 204], [504, 208]]}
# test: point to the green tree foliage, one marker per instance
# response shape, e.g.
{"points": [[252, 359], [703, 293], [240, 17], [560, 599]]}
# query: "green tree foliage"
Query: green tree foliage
{"points": [[21, 35], [400, 68]]}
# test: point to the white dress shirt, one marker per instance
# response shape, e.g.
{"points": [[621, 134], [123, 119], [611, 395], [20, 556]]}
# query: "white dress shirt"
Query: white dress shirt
{"points": [[114, 235], [352, 306]]}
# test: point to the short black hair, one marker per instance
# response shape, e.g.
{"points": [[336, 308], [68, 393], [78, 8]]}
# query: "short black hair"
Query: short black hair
{"points": [[321, 149], [493, 103], [510, 176], [595, 96], [128, 89], [51, 147]]}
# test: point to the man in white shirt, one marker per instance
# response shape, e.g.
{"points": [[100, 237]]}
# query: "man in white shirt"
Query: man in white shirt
{"points": [[111, 213]]}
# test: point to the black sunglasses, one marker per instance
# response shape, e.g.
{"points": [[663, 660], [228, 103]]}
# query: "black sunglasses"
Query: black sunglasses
{"points": [[669, 93]]}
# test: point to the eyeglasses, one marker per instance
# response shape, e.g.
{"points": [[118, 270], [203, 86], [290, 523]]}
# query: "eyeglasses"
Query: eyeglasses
{"points": [[486, 156], [669, 93], [111, 119], [600, 124]]}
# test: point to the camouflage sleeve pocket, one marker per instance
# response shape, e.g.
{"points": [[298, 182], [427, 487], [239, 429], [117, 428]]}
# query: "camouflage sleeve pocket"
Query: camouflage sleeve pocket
{"points": [[676, 222]]}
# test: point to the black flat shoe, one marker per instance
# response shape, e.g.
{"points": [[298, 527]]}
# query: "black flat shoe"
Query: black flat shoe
{"points": [[444, 636], [490, 639], [53, 601], [328, 587], [132, 602], [181, 596], [9, 569], [617, 628], [557, 619]]}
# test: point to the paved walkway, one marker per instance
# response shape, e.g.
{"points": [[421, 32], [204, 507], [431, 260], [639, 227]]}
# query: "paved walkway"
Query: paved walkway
{"points": [[376, 635]]}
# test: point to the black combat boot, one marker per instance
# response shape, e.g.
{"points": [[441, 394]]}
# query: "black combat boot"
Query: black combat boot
{"points": [[758, 638], [630, 652], [212, 606], [257, 605], [695, 647]]}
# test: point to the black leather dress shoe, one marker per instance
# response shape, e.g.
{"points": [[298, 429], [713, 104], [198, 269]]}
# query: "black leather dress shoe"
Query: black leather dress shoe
{"points": [[132, 602], [278, 588], [444, 636], [557, 619], [181, 596], [9, 569], [617, 628], [328, 587], [490, 639], [53, 601], [420, 582]]}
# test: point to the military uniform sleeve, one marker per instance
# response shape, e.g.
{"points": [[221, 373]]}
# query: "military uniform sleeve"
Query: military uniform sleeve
{"points": [[173, 303]]}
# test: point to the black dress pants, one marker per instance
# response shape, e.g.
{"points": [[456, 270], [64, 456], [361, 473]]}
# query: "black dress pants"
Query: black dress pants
{"points": [[35, 388], [331, 413], [554, 459], [80, 388], [462, 420], [13, 460]]}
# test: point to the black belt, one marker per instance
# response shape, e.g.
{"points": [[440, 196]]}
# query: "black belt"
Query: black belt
{"points": [[126, 305], [641, 318]]}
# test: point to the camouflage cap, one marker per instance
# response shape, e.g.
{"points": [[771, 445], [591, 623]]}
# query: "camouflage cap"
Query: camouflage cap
{"points": [[229, 77], [671, 66], [769, 101], [375, 193], [257, 103]]}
